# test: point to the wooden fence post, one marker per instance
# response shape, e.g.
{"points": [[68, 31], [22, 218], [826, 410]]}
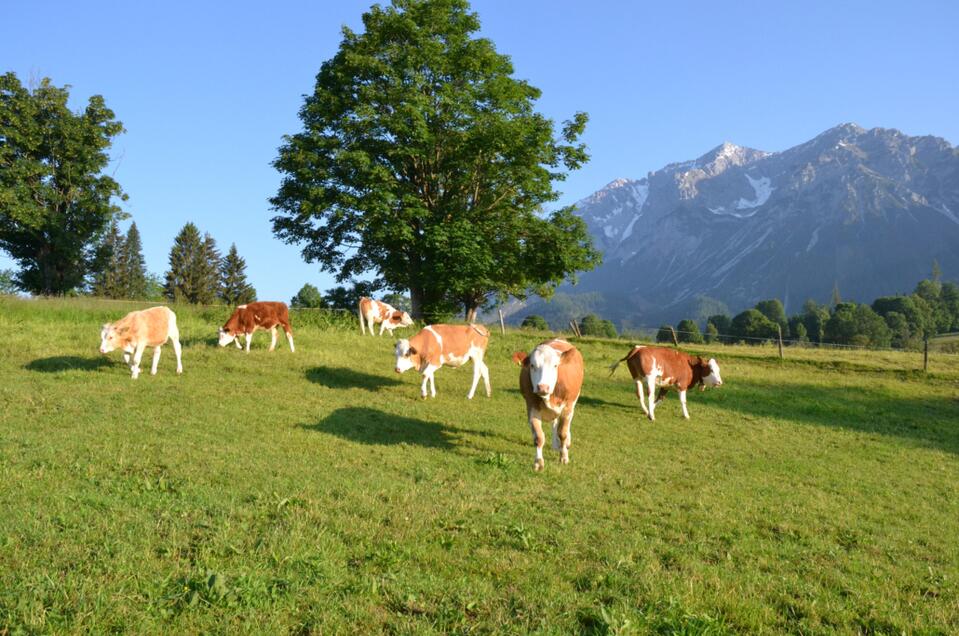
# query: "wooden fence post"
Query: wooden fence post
{"points": [[675, 339], [780, 330], [502, 324]]}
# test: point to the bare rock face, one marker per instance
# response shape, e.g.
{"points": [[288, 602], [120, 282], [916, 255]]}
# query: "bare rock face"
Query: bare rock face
{"points": [[867, 209]]}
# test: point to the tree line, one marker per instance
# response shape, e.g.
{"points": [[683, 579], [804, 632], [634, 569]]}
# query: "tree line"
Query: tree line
{"points": [[900, 321]]}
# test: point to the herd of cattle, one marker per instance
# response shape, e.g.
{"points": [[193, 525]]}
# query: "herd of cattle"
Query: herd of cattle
{"points": [[550, 380]]}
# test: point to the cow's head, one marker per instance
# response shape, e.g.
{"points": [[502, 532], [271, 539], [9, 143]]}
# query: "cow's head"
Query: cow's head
{"points": [[227, 336], [407, 357], [709, 372], [544, 364], [112, 337], [400, 319]]}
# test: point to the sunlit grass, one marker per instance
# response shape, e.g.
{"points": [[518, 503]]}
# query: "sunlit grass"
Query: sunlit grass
{"points": [[315, 492]]}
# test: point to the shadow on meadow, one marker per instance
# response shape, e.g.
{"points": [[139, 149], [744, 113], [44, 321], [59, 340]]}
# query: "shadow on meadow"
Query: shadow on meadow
{"points": [[344, 378], [370, 426], [56, 364], [931, 421]]}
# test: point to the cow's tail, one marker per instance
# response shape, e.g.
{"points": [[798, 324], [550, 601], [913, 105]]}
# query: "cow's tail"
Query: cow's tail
{"points": [[615, 365], [359, 312]]}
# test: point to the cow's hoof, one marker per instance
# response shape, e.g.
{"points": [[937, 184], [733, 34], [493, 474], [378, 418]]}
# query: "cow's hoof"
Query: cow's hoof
{"points": [[564, 460], [179, 371], [538, 465]]}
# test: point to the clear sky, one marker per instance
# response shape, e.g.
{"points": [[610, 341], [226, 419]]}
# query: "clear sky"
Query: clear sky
{"points": [[206, 90]]}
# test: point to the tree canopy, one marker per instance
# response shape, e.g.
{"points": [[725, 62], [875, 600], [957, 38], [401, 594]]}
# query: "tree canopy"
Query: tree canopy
{"points": [[309, 297], [55, 204], [423, 161]]}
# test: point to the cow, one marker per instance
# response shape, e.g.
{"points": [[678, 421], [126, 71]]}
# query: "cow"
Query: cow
{"points": [[452, 345], [246, 319], [141, 329], [376, 311], [664, 368], [550, 380]]}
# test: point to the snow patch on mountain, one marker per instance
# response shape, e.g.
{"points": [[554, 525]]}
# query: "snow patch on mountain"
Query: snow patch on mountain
{"points": [[761, 188]]}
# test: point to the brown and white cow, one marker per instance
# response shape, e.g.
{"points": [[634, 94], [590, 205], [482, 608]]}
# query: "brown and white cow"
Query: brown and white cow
{"points": [[141, 329], [664, 368], [452, 345], [375, 311], [246, 319], [550, 381]]}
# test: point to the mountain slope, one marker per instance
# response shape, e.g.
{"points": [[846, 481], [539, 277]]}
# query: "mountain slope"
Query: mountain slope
{"points": [[865, 209]]}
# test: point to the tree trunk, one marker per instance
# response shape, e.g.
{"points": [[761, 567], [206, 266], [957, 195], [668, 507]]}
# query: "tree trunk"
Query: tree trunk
{"points": [[416, 302], [470, 311]]}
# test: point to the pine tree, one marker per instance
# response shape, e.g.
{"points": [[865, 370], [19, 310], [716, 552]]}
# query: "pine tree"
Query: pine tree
{"points": [[106, 264], [194, 271], [836, 297], [234, 289], [133, 271]]}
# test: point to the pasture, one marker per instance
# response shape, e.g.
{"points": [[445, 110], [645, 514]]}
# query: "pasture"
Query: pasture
{"points": [[316, 493]]}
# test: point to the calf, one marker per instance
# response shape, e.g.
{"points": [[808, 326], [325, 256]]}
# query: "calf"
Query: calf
{"points": [[452, 345], [550, 381], [141, 329], [246, 319], [662, 367], [375, 311]]}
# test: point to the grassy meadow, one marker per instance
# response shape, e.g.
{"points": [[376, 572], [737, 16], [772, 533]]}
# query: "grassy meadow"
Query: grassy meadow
{"points": [[316, 493]]}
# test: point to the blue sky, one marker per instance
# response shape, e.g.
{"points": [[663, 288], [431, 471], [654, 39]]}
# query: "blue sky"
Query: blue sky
{"points": [[206, 91]]}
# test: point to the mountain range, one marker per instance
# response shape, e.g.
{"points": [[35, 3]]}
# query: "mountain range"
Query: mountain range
{"points": [[866, 211]]}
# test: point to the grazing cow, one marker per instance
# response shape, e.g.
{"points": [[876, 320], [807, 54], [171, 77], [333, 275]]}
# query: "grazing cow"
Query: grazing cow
{"points": [[246, 319], [141, 329], [452, 345], [663, 367], [550, 381], [375, 311]]}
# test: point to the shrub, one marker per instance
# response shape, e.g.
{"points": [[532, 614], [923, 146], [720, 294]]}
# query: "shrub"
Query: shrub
{"points": [[534, 321]]}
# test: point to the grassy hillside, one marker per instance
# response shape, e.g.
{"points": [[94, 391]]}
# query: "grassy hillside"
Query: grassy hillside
{"points": [[314, 492]]}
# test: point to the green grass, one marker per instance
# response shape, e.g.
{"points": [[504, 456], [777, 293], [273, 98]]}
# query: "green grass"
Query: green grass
{"points": [[315, 493]]}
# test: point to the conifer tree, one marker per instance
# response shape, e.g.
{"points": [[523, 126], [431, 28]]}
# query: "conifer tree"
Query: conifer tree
{"points": [[234, 288], [194, 274], [106, 265], [132, 267]]}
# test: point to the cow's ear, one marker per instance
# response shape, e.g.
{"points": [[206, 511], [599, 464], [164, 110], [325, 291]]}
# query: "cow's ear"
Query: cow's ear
{"points": [[411, 351], [520, 358]]}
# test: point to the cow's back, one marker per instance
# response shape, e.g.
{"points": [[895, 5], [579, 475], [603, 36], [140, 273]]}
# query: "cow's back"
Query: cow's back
{"points": [[150, 326], [459, 339]]}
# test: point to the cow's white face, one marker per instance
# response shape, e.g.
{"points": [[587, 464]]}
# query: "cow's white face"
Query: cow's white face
{"points": [[404, 356], [226, 337], [405, 320], [109, 340], [544, 370], [713, 379]]}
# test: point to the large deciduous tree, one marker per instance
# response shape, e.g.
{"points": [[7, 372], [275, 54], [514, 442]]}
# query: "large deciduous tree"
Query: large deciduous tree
{"points": [[423, 161], [55, 203]]}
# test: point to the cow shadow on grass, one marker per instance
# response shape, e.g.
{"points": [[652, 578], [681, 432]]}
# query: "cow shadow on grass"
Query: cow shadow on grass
{"points": [[56, 364], [931, 421], [369, 426], [344, 378]]}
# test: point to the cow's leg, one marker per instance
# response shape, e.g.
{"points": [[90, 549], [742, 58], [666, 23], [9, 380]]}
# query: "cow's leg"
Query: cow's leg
{"points": [[536, 426], [272, 338], [236, 341], [477, 372], [682, 400], [661, 395], [427, 375], [489, 389], [156, 360], [562, 435], [433, 383], [174, 337], [248, 337], [362, 323], [371, 324], [382, 327], [639, 394], [137, 356], [126, 357], [651, 386], [289, 336]]}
